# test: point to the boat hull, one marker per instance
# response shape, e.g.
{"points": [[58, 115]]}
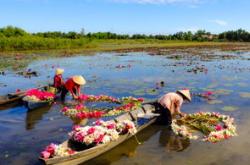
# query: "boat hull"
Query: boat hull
{"points": [[34, 105], [91, 153]]}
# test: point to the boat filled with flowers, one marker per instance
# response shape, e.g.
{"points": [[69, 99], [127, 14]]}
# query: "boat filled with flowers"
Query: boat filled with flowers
{"points": [[90, 141], [35, 98]]}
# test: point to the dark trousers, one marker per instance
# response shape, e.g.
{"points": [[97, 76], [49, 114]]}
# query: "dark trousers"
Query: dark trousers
{"points": [[64, 93], [165, 117]]}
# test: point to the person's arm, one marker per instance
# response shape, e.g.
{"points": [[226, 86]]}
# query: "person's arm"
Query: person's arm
{"points": [[178, 108], [73, 94], [62, 82], [79, 90]]}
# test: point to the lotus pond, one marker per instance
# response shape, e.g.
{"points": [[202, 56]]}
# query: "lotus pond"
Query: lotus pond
{"points": [[25, 133]]}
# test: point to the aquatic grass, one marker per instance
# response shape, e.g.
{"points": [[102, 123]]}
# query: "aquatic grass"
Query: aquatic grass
{"points": [[215, 102], [229, 108], [244, 94]]}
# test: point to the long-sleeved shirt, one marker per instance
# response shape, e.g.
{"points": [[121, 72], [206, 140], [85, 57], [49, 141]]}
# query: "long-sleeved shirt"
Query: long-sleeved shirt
{"points": [[72, 87], [58, 81], [172, 101]]}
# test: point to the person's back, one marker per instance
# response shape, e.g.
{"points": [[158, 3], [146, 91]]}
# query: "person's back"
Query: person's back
{"points": [[171, 101]]}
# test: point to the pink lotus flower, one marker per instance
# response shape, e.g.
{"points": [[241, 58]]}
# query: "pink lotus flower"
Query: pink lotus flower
{"points": [[99, 139], [98, 122], [79, 107], [51, 148], [65, 109], [218, 127], [91, 130], [141, 99], [70, 151], [45, 154], [76, 127], [111, 126], [84, 97], [79, 137]]}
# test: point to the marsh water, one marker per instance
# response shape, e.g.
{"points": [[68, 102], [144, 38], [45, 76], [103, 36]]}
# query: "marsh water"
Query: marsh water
{"points": [[25, 133]]}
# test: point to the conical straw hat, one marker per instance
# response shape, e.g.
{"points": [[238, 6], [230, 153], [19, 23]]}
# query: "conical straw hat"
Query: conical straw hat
{"points": [[79, 80], [185, 93], [59, 71]]}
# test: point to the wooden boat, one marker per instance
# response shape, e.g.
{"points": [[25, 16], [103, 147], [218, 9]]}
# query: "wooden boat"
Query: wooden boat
{"points": [[11, 98], [34, 104], [85, 155], [14, 97], [37, 104]]}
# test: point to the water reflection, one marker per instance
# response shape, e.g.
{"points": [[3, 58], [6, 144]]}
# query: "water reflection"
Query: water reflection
{"points": [[34, 116], [128, 149], [172, 142]]}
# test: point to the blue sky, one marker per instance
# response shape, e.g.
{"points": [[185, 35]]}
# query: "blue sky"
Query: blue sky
{"points": [[126, 16]]}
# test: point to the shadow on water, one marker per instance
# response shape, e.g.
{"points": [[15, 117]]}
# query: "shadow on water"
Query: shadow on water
{"points": [[34, 116], [172, 142], [128, 149]]}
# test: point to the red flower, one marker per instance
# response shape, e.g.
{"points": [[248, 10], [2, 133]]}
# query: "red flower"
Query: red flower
{"points": [[45, 154], [218, 127], [91, 130], [76, 127], [79, 107], [98, 122], [111, 126], [99, 139], [70, 151], [65, 109], [84, 97], [140, 99]]}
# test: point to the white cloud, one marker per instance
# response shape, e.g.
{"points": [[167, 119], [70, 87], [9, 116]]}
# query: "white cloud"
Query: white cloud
{"points": [[158, 1], [219, 22]]}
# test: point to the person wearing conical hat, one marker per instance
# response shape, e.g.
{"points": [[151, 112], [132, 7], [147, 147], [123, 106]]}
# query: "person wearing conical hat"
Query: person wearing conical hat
{"points": [[169, 105], [73, 85], [58, 80]]}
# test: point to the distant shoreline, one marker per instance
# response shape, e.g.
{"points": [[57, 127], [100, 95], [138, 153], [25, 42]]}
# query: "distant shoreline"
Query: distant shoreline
{"points": [[14, 59]]}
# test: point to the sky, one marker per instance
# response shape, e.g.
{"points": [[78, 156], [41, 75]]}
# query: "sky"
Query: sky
{"points": [[126, 16]]}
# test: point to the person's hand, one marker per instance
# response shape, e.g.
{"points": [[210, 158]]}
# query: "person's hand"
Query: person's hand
{"points": [[75, 97], [183, 114]]}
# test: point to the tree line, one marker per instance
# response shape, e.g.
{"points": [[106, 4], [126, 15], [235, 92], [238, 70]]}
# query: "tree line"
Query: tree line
{"points": [[14, 38]]}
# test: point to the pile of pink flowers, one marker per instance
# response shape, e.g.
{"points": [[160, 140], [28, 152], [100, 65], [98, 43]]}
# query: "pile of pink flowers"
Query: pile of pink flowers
{"points": [[40, 95], [54, 150], [49, 151], [93, 114], [101, 132], [82, 112]]}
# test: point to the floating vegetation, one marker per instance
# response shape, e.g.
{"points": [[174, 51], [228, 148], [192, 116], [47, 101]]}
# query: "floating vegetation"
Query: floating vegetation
{"points": [[139, 92], [152, 92], [241, 84], [215, 102], [230, 108], [244, 94], [228, 85], [198, 69], [213, 85], [223, 91]]}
